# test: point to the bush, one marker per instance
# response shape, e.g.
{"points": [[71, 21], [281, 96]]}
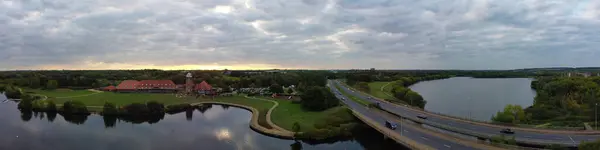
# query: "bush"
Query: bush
{"points": [[74, 107], [110, 109], [136, 109], [318, 99], [13, 92], [51, 107], [339, 123], [590, 145], [503, 140], [25, 104], [155, 108]]}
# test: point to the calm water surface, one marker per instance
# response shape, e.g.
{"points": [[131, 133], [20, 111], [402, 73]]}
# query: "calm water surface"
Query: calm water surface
{"points": [[474, 98], [218, 128]]}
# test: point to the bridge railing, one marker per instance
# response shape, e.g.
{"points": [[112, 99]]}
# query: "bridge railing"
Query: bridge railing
{"points": [[400, 139], [477, 134]]}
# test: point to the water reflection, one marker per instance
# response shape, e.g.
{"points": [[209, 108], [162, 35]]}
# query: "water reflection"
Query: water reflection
{"points": [[228, 131], [223, 134], [189, 114], [26, 115]]}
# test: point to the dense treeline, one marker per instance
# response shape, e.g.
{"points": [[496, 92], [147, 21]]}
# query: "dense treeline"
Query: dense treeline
{"points": [[353, 76], [86, 79], [559, 101], [401, 91], [569, 100]]}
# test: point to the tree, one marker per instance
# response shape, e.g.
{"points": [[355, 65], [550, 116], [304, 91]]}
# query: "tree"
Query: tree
{"points": [[317, 98], [13, 92], [75, 107], [415, 99], [290, 90], [25, 104], [51, 107], [511, 114], [296, 127], [276, 88], [363, 86], [52, 84], [109, 109], [155, 107], [34, 82]]}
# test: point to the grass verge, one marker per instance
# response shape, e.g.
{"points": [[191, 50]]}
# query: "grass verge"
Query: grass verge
{"points": [[358, 100], [288, 113], [375, 90], [60, 92]]}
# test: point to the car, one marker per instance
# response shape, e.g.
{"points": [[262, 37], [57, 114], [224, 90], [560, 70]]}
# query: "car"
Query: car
{"points": [[422, 116], [391, 125], [507, 131]]}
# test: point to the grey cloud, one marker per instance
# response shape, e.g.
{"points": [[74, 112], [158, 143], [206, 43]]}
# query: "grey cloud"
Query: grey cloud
{"points": [[461, 34]]}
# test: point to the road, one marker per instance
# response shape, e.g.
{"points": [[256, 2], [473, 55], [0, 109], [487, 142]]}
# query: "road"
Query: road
{"points": [[409, 132], [527, 136]]}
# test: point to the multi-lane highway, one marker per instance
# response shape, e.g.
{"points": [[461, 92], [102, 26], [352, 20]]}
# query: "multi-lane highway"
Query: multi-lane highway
{"points": [[405, 130], [566, 139]]}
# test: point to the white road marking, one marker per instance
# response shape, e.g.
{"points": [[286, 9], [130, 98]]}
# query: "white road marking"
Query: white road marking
{"points": [[405, 131], [572, 139], [425, 138], [558, 138], [527, 136], [448, 146]]}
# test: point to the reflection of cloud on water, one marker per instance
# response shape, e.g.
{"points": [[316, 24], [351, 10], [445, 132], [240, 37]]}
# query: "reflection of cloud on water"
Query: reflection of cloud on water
{"points": [[223, 134], [247, 143], [213, 114]]}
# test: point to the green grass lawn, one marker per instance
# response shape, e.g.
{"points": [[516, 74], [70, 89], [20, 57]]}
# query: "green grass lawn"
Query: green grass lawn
{"points": [[60, 92], [375, 90], [287, 113]]}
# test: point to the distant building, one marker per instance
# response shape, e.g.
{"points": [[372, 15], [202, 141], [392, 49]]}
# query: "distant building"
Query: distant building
{"points": [[204, 88], [127, 86], [109, 88], [152, 86]]}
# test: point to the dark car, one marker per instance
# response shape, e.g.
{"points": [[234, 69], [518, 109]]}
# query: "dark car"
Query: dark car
{"points": [[422, 116], [391, 125], [507, 131]]}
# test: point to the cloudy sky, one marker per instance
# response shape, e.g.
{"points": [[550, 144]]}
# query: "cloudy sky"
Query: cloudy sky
{"points": [[314, 34]]}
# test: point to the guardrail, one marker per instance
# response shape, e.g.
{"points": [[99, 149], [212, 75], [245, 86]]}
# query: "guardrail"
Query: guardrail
{"points": [[503, 124], [400, 139], [475, 134]]}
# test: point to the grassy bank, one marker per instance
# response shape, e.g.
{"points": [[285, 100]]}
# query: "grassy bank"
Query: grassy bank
{"points": [[287, 113], [59, 93], [375, 90]]}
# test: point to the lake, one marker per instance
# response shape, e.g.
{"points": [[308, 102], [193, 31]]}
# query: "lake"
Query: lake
{"points": [[475, 98], [216, 128]]}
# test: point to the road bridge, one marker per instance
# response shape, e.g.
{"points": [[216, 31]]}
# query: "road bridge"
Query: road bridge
{"points": [[568, 139]]}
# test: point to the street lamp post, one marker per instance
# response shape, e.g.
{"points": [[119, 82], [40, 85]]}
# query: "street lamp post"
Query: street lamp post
{"points": [[596, 114]]}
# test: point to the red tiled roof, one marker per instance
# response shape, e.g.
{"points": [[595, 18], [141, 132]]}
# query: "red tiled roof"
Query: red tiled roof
{"points": [[128, 85], [109, 88], [167, 84], [203, 86]]}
